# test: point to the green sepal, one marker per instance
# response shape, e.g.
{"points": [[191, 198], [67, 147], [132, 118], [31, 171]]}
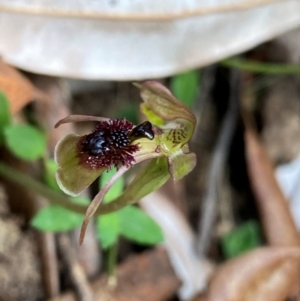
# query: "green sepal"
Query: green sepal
{"points": [[72, 177], [181, 164], [149, 179], [151, 116], [162, 103]]}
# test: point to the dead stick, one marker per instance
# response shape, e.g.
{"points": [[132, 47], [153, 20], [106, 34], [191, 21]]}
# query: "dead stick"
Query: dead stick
{"points": [[76, 272]]}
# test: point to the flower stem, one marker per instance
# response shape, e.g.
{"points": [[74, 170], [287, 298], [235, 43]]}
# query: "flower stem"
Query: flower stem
{"points": [[32, 184], [261, 67], [112, 262]]}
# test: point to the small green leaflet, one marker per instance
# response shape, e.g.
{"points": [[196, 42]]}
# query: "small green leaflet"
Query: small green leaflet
{"points": [[108, 229], [25, 141], [243, 238], [185, 86], [54, 218], [49, 176], [5, 117], [130, 222], [116, 190], [137, 226]]}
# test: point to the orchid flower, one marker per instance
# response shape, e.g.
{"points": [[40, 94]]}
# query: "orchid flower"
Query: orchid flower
{"points": [[118, 143]]}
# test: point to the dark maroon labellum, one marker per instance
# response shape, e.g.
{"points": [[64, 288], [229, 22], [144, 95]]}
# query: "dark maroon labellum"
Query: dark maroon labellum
{"points": [[110, 143], [102, 142]]}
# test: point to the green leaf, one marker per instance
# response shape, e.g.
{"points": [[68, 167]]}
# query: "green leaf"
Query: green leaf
{"points": [[136, 225], [130, 112], [149, 179], [185, 86], [5, 117], [108, 229], [117, 188], [80, 200], [56, 219], [49, 176], [241, 239], [25, 141]]}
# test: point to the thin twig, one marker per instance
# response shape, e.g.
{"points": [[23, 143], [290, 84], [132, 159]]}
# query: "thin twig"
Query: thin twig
{"points": [[207, 83], [148, 276], [77, 274], [47, 246], [216, 171]]}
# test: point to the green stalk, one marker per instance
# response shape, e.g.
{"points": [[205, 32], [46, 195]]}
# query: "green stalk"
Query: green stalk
{"points": [[32, 184], [112, 263], [261, 67]]}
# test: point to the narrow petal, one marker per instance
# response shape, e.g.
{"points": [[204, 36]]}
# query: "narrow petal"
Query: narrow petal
{"points": [[72, 176], [80, 118], [97, 201]]}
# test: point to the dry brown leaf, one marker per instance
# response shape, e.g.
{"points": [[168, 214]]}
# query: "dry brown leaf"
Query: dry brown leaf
{"points": [[276, 218], [18, 89], [279, 226], [260, 275]]}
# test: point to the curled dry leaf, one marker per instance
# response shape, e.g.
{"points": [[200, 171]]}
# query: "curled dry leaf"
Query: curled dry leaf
{"points": [[18, 89], [278, 223], [259, 275], [276, 217]]}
